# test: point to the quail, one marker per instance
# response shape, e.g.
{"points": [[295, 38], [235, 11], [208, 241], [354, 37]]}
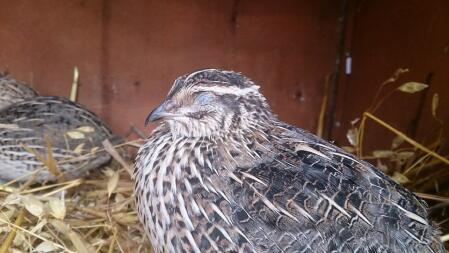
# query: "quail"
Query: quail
{"points": [[30, 129], [12, 91], [222, 173]]}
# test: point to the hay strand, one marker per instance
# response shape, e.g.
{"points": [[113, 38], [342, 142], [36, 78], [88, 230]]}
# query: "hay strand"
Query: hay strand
{"points": [[406, 138]]}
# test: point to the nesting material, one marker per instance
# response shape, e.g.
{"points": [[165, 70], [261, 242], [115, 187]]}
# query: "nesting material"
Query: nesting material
{"points": [[95, 214]]}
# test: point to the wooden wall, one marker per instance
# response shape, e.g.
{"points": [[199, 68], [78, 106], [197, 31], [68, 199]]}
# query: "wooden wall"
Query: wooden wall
{"points": [[383, 36], [129, 52]]}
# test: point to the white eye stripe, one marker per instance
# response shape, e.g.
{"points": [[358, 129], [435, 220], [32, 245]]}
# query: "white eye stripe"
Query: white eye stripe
{"points": [[227, 90]]}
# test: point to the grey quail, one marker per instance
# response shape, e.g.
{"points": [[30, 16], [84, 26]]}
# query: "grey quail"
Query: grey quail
{"points": [[221, 173], [74, 134]]}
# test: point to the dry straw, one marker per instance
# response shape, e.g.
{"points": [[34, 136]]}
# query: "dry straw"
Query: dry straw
{"points": [[95, 214]]}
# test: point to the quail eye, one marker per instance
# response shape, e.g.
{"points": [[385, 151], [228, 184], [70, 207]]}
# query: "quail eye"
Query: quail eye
{"points": [[204, 98]]}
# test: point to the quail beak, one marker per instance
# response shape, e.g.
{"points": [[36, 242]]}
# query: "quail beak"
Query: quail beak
{"points": [[160, 112]]}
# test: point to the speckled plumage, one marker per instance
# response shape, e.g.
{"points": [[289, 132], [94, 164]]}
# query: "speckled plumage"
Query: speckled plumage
{"points": [[72, 130], [13, 91], [222, 173]]}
